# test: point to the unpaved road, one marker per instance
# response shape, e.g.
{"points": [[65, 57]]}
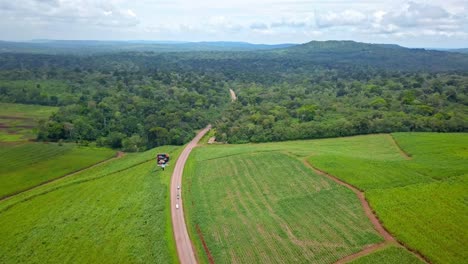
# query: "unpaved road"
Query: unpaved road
{"points": [[184, 245], [233, 95]]}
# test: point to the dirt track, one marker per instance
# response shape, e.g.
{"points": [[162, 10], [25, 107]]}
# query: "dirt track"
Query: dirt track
{"points": [[184, 245], [233, 95], [389, 239]]}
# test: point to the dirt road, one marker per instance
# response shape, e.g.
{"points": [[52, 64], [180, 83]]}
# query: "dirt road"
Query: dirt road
{"points": [[233, 95], [182, 239]]}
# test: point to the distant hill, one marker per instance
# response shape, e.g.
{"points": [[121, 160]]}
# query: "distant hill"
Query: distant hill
{"points": [[92, 46], [232, 58], [459, 50], [384, 56]]}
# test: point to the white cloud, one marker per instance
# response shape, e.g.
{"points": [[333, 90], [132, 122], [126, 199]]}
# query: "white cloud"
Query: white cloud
{"points": [[419, 19], [83, 12], [268, 21], [344, 18]]}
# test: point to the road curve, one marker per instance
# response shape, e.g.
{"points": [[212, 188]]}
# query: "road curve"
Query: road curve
{"points": [[185, 250]]}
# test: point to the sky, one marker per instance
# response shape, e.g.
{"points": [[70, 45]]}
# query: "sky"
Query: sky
{"points": [[431, 24]]}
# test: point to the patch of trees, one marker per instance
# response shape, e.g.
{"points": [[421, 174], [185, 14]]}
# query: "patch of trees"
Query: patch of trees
{"points": [[328, 105]]}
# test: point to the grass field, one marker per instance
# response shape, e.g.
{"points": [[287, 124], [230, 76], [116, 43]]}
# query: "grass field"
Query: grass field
{"points": [[17, 121], [117, 212], [389, 255], [268, 207], [25, 165], [421, 200]]}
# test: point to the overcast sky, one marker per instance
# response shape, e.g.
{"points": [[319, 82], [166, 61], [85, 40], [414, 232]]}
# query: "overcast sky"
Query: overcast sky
{"points": [[435, 23]]}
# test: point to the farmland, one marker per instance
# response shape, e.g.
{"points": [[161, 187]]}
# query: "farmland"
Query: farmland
{"points": [[388, 255], [116, 212], [25, 165], [419, 196], [268, 207], [17, 121], [420, 200]]}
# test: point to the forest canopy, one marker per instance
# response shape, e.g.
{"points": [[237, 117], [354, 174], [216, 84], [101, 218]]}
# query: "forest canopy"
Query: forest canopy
{"points": [[138, 100]]}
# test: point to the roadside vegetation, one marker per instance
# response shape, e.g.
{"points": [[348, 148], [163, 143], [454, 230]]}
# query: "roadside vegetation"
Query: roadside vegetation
{"points": [[25, 165], [116, 212], [419, 199]]}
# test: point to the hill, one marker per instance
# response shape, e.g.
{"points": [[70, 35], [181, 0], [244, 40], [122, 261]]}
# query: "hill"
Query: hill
{"points": [[384, 56], [459, 50], [86, 47]]}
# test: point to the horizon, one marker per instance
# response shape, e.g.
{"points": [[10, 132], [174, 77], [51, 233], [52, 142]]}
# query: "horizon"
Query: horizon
{"points": [[413, 24], [175, 42]]}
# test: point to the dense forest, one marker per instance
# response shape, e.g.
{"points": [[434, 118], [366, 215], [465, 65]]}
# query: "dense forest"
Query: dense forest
{"points": [[138, 100]]}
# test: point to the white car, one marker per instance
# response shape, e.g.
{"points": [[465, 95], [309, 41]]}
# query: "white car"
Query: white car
{"points": [[177, 206], [178, 187]]}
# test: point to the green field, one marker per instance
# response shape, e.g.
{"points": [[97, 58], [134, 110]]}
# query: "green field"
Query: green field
{"points": [[421, 200], [389, 255], [17, 121], [268, 207], [117, 212], [25, 165]]}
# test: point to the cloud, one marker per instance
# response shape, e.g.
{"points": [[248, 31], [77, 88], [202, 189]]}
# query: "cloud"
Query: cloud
{"points": [[290, 23], [401, 21], [415, 14], [344, 18], [80, 12], [415, 19], [258, 26]]}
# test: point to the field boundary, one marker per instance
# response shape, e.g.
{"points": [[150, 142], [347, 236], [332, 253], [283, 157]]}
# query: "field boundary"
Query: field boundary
{"points": [[118, 155], [405, 154], [366, 251], [73, 183], [205, 246], [371, 215]]}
